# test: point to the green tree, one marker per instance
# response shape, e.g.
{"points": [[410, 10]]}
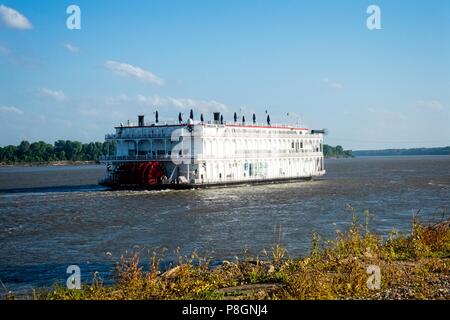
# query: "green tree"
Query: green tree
{"points": [[23, 150], [59, 150]]}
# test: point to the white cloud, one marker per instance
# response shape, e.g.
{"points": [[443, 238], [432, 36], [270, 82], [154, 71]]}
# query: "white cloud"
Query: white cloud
{"points": [[430, 105], [6, 109], [333, 84], [71, 48], [387, 114], [13, 19], [56, 95], [128, 70], [183, 103], [117, 100]]}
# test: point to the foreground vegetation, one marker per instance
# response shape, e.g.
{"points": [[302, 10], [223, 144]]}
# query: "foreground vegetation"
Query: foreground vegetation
{"points": [[416, 266], [41, 152]]}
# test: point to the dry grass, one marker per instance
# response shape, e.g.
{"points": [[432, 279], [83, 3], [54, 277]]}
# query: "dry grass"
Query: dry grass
{"points": [[415, 266]]}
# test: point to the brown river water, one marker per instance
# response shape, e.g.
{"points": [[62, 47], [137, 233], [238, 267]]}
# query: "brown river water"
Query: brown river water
{"points": [[53, 217]]}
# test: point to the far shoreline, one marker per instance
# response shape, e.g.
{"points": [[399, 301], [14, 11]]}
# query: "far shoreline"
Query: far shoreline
{"points": [[91, 163], [50, 164]]}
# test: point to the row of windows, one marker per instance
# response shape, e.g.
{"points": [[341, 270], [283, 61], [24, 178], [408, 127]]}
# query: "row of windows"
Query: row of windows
{"points": [[258, 169], [262, 141], [259, 131], [294, 143]]}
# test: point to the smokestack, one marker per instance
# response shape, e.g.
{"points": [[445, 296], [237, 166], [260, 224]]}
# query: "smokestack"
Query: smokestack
{"points": [[141, 121], [322, 131], [216, 117]]}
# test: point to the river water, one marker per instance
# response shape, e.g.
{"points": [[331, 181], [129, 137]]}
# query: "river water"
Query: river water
{"points": [[53, 217]]}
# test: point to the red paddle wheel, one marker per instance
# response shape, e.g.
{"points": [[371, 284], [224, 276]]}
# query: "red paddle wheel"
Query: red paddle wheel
{"points": [[140, 173], [144, 174], [155, 174]]}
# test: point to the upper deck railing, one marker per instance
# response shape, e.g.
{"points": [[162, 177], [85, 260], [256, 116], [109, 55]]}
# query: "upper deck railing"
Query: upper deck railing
{"points": [[234, 130], [239, 156], [131, 124]]}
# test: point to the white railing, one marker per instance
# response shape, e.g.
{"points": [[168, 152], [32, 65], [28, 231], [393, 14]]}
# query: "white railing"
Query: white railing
{"points": [[236, 135], [239, 156], [132, 124], [136, 158], [115, 136]]}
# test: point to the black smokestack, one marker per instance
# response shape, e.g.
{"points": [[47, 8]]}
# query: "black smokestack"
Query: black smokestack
{"points": [[141, 121], [216, 117]]}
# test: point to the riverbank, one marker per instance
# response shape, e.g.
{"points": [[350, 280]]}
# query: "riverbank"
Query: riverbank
{"points": [[50, 164], [414, 266]]}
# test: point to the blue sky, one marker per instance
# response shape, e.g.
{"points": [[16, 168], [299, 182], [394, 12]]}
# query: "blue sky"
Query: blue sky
{"points": [[316, 60]]}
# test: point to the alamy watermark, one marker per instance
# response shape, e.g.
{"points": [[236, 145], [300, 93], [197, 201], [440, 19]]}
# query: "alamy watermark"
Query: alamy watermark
{"points": [[74, 280], [182, 151], [374, 20], [73, 22], [374, 280]]}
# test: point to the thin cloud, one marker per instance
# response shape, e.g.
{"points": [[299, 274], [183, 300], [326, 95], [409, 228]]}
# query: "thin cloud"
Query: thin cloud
{"points": [[6, 109], [387, 114], [432, 105], [13, 19], [128, 70], [333, 84], [53, 94], [182, 103], [71, 48]]}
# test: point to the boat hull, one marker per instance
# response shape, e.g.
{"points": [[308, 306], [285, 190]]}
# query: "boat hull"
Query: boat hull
{"points": [[175, 186]]}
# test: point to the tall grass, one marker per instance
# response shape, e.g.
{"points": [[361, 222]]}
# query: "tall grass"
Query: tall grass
{"points": [[412, 266]]}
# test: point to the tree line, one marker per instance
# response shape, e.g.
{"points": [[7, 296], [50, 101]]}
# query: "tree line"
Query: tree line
{"points": [[61, 150], [66, 150], [336, 152], [405, 152]]}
